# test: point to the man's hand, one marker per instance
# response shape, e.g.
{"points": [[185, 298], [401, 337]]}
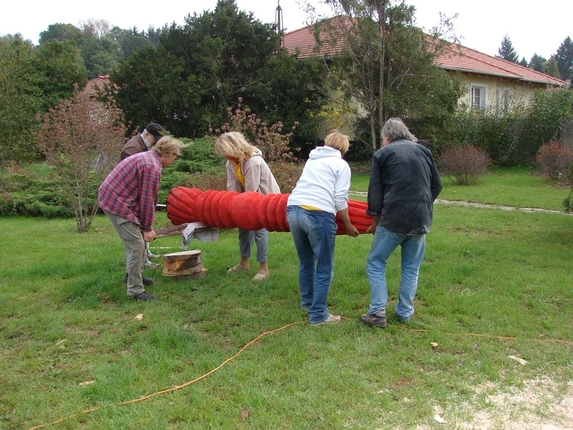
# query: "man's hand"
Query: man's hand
{"points": [[351, 230], [148, 236], [372, 227]]}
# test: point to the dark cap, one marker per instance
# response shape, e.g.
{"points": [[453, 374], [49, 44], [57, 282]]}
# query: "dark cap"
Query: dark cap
{"points": [[156, 130]]}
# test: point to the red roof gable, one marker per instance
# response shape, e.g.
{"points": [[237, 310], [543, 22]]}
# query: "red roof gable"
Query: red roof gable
{"points": [[90, 86], [456, 58], [460, 58]]}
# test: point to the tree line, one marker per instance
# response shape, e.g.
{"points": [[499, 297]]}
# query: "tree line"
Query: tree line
{"points": [[559, 65], [192, 77]]}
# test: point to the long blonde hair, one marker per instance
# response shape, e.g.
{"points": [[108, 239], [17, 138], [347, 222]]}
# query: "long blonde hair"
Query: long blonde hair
{"points": [[234, 145]]}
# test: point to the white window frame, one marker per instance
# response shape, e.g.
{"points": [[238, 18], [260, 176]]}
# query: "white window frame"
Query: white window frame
{"points": [[502, 98], [478, 91]]}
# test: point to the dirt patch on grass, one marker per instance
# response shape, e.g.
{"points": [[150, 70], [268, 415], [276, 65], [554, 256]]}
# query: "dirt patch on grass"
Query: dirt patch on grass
{"points": [[540, 404]]}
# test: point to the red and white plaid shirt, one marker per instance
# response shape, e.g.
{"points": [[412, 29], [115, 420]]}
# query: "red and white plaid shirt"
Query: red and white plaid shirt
{"points": [[130, 189]]}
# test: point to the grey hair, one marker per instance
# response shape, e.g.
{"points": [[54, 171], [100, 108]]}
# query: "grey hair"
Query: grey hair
{"points": [[395, 129]]}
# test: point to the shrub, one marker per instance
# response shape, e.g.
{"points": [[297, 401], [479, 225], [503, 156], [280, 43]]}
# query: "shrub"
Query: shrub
{"points": [[268, 138], [26, 194], [553, 160], [286, 174], [464, 164], [79, 140], [207, 181], [548, 110], [568, 202]]}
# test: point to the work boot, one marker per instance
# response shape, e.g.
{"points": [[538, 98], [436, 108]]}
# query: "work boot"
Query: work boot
{"points": [[378, 319], [144, 296]]}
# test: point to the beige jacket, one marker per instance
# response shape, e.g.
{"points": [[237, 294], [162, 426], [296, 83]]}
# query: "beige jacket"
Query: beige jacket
{"points": [[258, 176]]}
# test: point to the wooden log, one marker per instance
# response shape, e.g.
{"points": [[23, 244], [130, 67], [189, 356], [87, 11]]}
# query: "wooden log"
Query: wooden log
{"points": [[183, 264], [174, 230]]}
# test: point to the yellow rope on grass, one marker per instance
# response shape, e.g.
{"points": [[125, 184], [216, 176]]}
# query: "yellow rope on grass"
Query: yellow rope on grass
{"points": [[178, 387], [169, 390]]}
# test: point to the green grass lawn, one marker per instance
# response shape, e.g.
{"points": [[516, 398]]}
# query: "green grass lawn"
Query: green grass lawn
{"points": [[495, 288], [520, 188]]}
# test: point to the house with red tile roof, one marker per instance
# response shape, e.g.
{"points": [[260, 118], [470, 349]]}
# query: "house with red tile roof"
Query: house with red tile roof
{"points": [[489, 80], [90, 88]]}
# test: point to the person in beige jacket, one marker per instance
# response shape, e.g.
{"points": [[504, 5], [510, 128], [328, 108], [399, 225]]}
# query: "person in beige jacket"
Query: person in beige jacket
{"points": [[247, 171]]}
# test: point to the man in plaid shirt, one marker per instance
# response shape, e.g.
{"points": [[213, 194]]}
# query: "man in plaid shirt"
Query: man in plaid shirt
{"points": [[128, 196]]}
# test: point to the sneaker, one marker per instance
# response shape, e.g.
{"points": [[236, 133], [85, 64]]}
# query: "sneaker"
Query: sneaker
{"points": [[144, 296], [378, 319], [146, 281], [402, 320], [305, 306], [330, 320]]}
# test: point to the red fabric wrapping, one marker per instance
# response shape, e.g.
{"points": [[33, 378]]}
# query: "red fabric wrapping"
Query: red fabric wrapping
{"points": [[250, 210], [244, 211]]}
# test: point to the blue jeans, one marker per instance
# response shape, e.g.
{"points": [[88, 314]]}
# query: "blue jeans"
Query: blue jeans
{"points": [[412, 247], [314, 234]]}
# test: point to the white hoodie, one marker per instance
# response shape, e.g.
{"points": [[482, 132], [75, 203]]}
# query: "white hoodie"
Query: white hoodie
{"points": [[324, 182]]}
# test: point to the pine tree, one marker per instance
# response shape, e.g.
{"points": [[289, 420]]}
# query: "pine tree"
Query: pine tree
{"points": [[537, 63], [553, 68], [506, 51], [564, 58]]}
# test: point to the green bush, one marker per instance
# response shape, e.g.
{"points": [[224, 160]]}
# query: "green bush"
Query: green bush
{"points": [[547, 112], [512, 134], [27, 194]]}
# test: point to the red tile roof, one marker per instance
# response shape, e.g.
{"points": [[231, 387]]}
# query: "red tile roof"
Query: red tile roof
{"points": [[90, 86], [456, 58], [462, 59]]}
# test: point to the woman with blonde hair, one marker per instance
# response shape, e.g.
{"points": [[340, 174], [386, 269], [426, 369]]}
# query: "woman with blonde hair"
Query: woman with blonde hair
{"points": [[247, 171]]}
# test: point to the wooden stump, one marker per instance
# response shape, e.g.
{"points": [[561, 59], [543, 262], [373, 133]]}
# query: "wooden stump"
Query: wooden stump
{"points": [[183, 265]]}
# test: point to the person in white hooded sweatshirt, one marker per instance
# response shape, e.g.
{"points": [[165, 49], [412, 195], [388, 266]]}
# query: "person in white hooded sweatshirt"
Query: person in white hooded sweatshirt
{"points": [[320, 194], [247, 171]]}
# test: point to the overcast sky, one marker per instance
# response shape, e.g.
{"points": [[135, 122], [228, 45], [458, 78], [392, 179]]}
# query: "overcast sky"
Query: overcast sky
{"points": [[533, 28]]}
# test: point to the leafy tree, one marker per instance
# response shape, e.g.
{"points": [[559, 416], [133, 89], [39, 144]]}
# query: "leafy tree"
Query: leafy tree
{"points": [[100, 54], [548, 111], [153, 34], [552, 68], [55, 68], [61, 32], [226, 50], [95, 28], [154, 85], [129, 40], [82, 139], [537, 63], [200, 69], [387, 62], [19, 100], [564, 57], [506, 50]]}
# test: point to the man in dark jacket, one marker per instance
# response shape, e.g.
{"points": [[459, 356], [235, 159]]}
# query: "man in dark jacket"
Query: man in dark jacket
{"points": [[143, 141], [404, 182]]}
